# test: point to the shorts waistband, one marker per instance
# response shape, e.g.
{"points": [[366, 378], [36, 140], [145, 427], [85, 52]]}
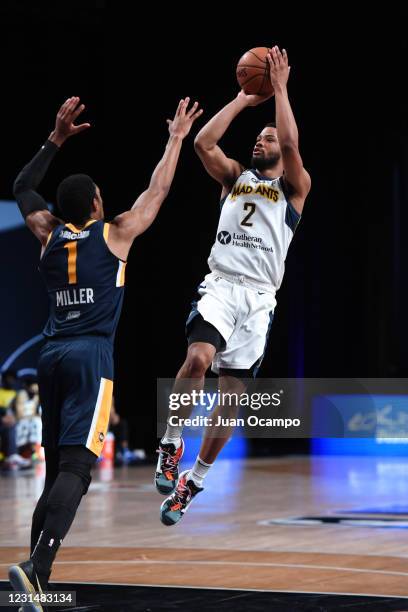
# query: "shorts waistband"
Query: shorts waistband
{"points": [[240, 279]]}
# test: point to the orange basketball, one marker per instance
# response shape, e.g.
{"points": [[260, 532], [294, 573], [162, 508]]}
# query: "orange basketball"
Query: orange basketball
{"points": [[253, 72]]}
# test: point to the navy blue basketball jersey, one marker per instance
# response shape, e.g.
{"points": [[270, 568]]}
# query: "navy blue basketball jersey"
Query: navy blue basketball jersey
{"points": [[84, 279]]}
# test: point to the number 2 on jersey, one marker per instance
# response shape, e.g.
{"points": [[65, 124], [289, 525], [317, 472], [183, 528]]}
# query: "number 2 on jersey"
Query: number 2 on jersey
{"points": [[251, 207], [72, 261]]}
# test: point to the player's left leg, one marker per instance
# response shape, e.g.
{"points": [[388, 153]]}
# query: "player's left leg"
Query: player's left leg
{"points": [[208, 327], [238, 361]]}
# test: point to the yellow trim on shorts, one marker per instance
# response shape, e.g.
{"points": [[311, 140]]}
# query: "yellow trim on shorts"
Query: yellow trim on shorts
{"points": [[122, 274], [100, 421]]}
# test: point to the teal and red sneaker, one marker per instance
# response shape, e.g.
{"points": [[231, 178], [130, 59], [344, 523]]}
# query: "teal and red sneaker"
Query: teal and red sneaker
{"points": [[167, 472], [173, 508]]}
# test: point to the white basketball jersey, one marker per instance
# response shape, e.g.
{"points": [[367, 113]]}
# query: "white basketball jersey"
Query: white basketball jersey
{"points": [[256, 226]]}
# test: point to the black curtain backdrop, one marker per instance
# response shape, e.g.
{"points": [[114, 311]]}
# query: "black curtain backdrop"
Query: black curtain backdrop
{"points": [[342, 307]]}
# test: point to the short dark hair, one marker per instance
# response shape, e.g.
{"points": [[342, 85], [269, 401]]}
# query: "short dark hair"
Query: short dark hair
{"points": [[75, 195], [29, 380], [271, 124], [5, 377]]}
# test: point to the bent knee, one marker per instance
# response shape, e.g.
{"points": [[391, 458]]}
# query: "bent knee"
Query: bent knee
{"points": [[198, 361]]}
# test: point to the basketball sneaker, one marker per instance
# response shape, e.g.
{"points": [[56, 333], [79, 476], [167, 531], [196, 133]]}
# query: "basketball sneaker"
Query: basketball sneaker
{"points": [[23, 577], [167, 467], [173, 508]]}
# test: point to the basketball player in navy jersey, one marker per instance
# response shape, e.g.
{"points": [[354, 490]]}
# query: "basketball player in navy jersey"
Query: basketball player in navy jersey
{"points": [[229, 325], [83, 261]]}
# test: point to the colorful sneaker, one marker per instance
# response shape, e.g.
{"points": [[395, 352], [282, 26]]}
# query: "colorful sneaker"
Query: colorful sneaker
{"points": [[167, 473], [173, 508], [24, 578]]}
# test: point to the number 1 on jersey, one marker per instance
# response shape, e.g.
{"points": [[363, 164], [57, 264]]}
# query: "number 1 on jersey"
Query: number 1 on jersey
{"points": [[72, 260], [251, 206]]}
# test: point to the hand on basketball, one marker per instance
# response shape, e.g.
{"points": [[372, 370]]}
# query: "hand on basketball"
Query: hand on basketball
{"points": [[253, 99], [278, 67], [183, 119], [64, 123]]}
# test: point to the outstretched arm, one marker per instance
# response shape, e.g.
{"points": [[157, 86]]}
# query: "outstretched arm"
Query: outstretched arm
{"points": [[125, 227], [222, 168], [296, 177], [32, 205]]}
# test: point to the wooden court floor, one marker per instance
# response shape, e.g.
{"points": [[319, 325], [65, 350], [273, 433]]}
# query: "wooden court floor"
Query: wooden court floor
{"points": [[225, 540]]}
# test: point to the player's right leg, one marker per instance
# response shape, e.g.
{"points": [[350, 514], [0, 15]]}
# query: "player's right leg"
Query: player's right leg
{"points": [[189, 378], [76, 394], [24, 576], [51, 473], [215, 438]]}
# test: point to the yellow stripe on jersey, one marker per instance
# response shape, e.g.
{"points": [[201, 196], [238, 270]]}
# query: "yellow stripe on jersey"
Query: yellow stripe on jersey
{"points": [[88, 223], [74, 229], [106, 228], [120, 276], [100, 420], [72, 260], [48, 238]]}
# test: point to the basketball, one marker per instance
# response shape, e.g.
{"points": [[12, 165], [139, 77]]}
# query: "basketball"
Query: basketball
{"points": [[253, 72]]}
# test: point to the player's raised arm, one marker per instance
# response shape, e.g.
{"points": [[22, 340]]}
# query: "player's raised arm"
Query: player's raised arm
{"points": [[32, 205], [222, 168], [295, 175], [126, 226]]}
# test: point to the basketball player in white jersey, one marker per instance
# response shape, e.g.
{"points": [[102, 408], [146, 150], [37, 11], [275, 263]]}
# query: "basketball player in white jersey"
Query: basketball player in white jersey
{"points": [[229, 324]]}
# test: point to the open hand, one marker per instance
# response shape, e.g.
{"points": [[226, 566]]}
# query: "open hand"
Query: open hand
{"points": [[278, 67], [64, 123], [183, 119]]}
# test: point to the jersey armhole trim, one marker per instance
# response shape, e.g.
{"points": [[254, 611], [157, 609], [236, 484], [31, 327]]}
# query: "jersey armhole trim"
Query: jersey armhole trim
{"points": [[222, 201], [285, 193], [106, 228], [292, 217], [45, 246]]}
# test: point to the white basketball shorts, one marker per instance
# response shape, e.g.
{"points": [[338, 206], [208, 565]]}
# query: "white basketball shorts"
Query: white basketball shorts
{"points": [[242, 312]]}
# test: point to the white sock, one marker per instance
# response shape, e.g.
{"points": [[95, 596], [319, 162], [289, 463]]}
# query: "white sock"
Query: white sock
{"points": [[172, 436], [199, 471]]}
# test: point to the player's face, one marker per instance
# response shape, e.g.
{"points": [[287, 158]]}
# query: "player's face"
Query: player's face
{"points": [[266, 151], [98, 202]]}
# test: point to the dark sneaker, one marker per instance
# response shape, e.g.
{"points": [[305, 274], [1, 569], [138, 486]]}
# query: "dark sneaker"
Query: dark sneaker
{"points": [[173, 508], [167, 473], [24, 578]]}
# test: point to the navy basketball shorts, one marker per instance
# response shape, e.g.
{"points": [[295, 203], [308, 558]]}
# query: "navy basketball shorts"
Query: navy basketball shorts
{"points": [[75, 378]]}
